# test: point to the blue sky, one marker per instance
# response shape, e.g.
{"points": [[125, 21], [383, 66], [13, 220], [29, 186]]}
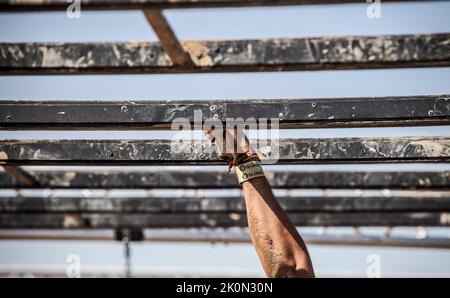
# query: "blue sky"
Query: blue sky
{"points": [[425, 17]]}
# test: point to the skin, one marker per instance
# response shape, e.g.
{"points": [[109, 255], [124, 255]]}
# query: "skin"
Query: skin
{"points": [[279, 246]]}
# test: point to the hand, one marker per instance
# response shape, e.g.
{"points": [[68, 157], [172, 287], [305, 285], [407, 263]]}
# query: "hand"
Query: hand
{"points": [[229, 142]]}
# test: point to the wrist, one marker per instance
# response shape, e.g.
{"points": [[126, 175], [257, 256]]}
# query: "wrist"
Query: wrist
{"points": [[244, 157], [249, 170]]}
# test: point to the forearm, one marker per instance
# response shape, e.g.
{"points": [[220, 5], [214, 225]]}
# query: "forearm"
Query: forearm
{"points": [[279, 246]]}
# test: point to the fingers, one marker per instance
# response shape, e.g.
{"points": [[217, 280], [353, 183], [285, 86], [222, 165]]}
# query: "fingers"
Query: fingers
{"points": [[209, 135], [207, 131], [229, 141]]}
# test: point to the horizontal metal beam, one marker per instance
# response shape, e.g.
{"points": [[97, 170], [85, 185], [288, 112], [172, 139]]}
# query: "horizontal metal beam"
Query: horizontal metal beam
{"points": [[321, 53], [103, 235], [291, 113], [219, 179], [212, 220], [48, 5], [20, 176], [190, 152], [420, 202]]}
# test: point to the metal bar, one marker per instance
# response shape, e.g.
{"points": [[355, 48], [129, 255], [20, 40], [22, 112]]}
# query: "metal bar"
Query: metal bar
{"points": [[167, 38], [420, 202], [22, 177], [291, 113], [32, 5], [190, 152], [213, 220], [219, 179], [320, 53], [95, 235]]}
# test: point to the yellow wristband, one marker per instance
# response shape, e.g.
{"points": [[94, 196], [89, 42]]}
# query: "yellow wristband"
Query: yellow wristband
{"points": [[249, 170]]}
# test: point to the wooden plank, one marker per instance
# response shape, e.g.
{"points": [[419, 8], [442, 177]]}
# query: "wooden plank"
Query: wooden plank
{"points": [[213, 220], [167, 38], [190, 152], [320, 53], [219, 179], [33, 5], [418, 201], [291, 113]]}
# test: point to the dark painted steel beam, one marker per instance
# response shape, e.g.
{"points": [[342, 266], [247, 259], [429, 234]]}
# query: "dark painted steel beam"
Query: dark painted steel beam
{"points": [[20, 176], [45, 5], [94, 235], [212, 220], [190, 152], [321, 53], [417, 201], [291, 113], [219, 179]]}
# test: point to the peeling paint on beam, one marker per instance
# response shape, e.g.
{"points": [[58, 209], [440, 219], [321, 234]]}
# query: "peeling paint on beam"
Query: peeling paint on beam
{"points": [[292, 113], [321, 53], [191, 152], [219, 179], [419, 202], [139, 221], [48, 5]]}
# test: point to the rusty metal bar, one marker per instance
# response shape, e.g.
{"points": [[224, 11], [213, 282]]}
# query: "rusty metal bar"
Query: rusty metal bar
{"points": [[167, 38]]}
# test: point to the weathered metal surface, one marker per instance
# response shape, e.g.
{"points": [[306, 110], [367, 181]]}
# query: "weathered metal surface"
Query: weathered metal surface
{"points": [[175, 236], [167, 38], [21, 176], [420, 202], [219, 179], [326, 150], [291, 113], [42, 5], [213, 220], [321, 53]]}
